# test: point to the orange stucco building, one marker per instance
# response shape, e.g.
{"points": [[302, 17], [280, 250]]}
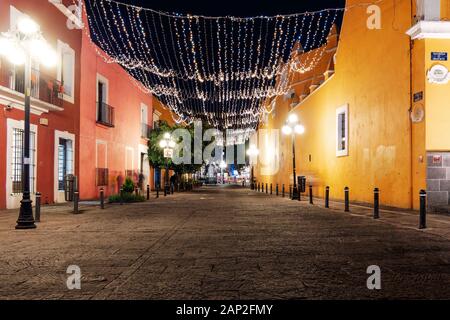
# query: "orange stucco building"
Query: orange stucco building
{"points": [[88, 117], [373, 115]]}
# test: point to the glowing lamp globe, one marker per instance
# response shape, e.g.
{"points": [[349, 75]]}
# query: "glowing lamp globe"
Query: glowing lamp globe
{"points": [[163, 144], [27, 26], [286, 130], [16, 56], [292, 118], [299, 129]]}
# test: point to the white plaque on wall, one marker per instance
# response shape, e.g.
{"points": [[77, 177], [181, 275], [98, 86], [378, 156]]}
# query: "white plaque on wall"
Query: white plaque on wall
{"points": [[438, 74]]}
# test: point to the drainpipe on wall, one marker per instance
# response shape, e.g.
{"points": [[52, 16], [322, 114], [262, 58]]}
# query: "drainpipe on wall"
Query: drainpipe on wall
{"points": [[411, 47]]}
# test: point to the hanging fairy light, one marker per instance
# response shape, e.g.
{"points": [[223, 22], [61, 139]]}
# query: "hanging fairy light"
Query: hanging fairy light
{"points": [[219, 69]]}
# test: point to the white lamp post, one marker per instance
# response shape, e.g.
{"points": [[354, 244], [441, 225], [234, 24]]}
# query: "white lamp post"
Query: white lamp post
{"points": [[252, 152], [20, 47], [168, 145], [292, 127]]}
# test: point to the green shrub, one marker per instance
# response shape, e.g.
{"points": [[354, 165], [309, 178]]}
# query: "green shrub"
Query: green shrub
{"points": [[127, 198], [128, 186]]}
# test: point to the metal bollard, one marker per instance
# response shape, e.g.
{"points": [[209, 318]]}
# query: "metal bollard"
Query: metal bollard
{"points": [[102, 198], [327, 197], [172, 188], [283, 191], [423, 210], [376, 203], [121, 196], [277, 190], [311, 195], [75, 202], [157, 191], [37, 217], [290, 192], [148, 192], [165, 191], [271, 190], [267, 188], [347, 199]]}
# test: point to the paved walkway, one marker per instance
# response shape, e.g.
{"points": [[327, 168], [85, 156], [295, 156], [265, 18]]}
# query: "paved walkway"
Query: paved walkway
{"points": [[223, 243]]}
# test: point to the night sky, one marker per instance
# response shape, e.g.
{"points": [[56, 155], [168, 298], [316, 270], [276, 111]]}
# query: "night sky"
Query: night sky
{"points": [[242, 8]]}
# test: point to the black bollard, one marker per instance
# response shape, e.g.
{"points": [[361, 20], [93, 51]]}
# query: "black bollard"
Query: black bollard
{"points": [[327, 197], [277, 190], [347, 199], [271, 190], [311, 195], [267, 188], [290, 192], [157, 191], [75, 202], [423, 210], [102, 198], [37, 217], [376, 203], [165, 191], [172, 188], [283, 191], [121, 196], [148, 192]]}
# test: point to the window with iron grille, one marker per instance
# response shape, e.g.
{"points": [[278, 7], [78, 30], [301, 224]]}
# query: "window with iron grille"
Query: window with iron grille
{"points": [[102, 177], [342, 131], [65, 161], [17, 160]]}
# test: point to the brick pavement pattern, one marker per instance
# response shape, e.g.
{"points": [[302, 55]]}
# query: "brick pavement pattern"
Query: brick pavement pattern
{"points": [[219, 243]]}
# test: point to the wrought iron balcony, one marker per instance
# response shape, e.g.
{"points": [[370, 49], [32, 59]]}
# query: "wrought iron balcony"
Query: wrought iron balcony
{"points": [[43, 87], [145, 130], [105, 114]]}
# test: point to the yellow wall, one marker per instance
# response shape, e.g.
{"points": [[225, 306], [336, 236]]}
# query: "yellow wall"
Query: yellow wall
{"points": [[437, 107], [373, 78]]}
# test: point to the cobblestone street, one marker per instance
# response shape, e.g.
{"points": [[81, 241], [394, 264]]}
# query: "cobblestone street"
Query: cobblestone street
{"points": [[222, 243]]}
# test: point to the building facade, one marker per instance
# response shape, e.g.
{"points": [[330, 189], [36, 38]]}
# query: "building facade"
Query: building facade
{"points": [[89, 118], [375, 109]]}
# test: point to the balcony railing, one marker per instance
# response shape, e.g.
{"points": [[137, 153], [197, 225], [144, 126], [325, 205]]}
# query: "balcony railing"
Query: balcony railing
{"points": [[43, 87], [145, 130], [105, 114], [102, 175]]}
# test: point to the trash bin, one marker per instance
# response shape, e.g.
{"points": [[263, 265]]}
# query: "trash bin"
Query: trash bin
{"points": [[301, 184], [70, 186]]}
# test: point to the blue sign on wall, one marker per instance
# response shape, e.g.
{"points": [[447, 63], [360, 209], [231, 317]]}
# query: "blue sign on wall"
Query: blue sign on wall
{"points": [[439, 56]]}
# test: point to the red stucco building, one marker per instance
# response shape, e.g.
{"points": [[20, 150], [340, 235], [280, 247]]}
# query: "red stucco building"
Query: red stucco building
{"points": [[88, 117]]}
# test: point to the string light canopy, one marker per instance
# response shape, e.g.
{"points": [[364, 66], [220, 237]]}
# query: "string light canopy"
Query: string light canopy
{"points": [[216, 69]]}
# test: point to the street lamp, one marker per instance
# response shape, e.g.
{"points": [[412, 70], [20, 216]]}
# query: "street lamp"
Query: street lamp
{"points": [[292, 128], [20, 46], [223, 166], [168, 145], [252, 152]]}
